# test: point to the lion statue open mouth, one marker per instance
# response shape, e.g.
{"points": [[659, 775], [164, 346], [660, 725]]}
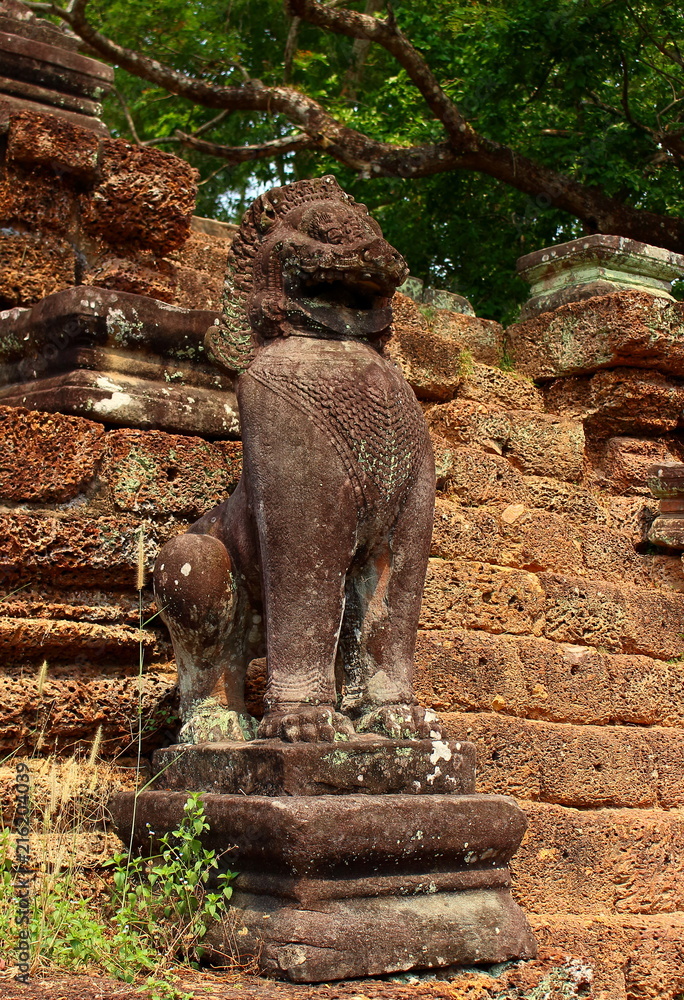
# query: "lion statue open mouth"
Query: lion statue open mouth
{"points": [[318, 559]]}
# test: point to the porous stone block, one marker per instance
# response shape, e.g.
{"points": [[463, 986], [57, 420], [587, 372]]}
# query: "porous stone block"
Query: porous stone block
{"points": [[200, 268], [474, 476], [76, 701], [535, 678], [46, 457], [145, 196], [51, 142], [368, 765], [33, 201], [632, 956], [32, 267], [299, 854], [585, 767], [515, 535], [623, 465], [79, 551], [600, 860], [621, 401], [621, 618], [625, 329], [433, 365], [532, 442], [596, 265], [26, 640], [521, 536], [483, 339], [134, 273], [434, 346], [574, 503], [464, 594], [157, 473], [499, 390], [416, 290]]}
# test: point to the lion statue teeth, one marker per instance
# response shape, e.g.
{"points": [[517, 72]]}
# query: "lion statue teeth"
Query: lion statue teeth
{"points": [[318, 559]]}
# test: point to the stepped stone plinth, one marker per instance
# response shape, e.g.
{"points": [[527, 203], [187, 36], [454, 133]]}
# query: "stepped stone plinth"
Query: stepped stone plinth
{"points": [[113, 356], [666, 482], [595, 265], [41, 71], [358, 857]]}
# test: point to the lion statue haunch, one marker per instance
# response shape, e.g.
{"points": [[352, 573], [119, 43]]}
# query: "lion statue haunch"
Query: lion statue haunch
{"points": [[318, 558]]}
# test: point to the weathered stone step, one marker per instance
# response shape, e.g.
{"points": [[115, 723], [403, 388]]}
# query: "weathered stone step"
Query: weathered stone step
{"points": [[535, 678], [524, 537], [77, 552], [27, 640], [628, 328], [71, 708], [600, 861], [585, 767], [621, 619], [472, 476], [533, 442], [619, 401], [436, 347], [633, 957]]}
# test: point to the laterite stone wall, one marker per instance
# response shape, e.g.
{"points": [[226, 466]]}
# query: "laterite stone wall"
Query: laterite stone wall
{"points": [[551, 632]]}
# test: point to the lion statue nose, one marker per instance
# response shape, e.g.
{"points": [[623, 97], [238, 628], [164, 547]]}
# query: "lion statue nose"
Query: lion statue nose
{"points": [[393, 264]]}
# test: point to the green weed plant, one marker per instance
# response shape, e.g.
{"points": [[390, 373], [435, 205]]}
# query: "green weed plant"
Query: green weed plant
{"points": [[158, 912]]}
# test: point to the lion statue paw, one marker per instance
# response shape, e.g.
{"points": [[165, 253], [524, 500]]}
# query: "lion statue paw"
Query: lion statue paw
{"points": [[212, 722], [401, 722], [306, 724]]}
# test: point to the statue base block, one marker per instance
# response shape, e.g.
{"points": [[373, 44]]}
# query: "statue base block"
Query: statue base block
{"points": [[368, 764], [367, 936], [343, 885]]}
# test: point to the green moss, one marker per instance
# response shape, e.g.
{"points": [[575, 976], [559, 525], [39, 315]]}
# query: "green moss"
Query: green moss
{"points": [[466, 364]]}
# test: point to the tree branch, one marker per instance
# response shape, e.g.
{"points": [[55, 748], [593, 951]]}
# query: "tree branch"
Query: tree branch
{"points": [[464, 149], [243, 154], [387, 34]]}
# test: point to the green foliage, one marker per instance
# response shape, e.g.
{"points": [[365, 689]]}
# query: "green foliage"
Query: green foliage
{"points": [[159, 911], [589, 88], [171, 889]]}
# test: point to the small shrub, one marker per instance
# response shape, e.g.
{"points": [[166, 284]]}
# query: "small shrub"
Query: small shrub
{"points": [[156, 912]]}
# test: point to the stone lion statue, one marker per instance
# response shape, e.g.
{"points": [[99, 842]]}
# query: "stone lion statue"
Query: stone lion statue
{"points": [[318, 558]]}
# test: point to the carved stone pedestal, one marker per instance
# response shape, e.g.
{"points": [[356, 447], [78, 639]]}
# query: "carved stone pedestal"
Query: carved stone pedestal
{"points": [[338, 885], [666, 482]]}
